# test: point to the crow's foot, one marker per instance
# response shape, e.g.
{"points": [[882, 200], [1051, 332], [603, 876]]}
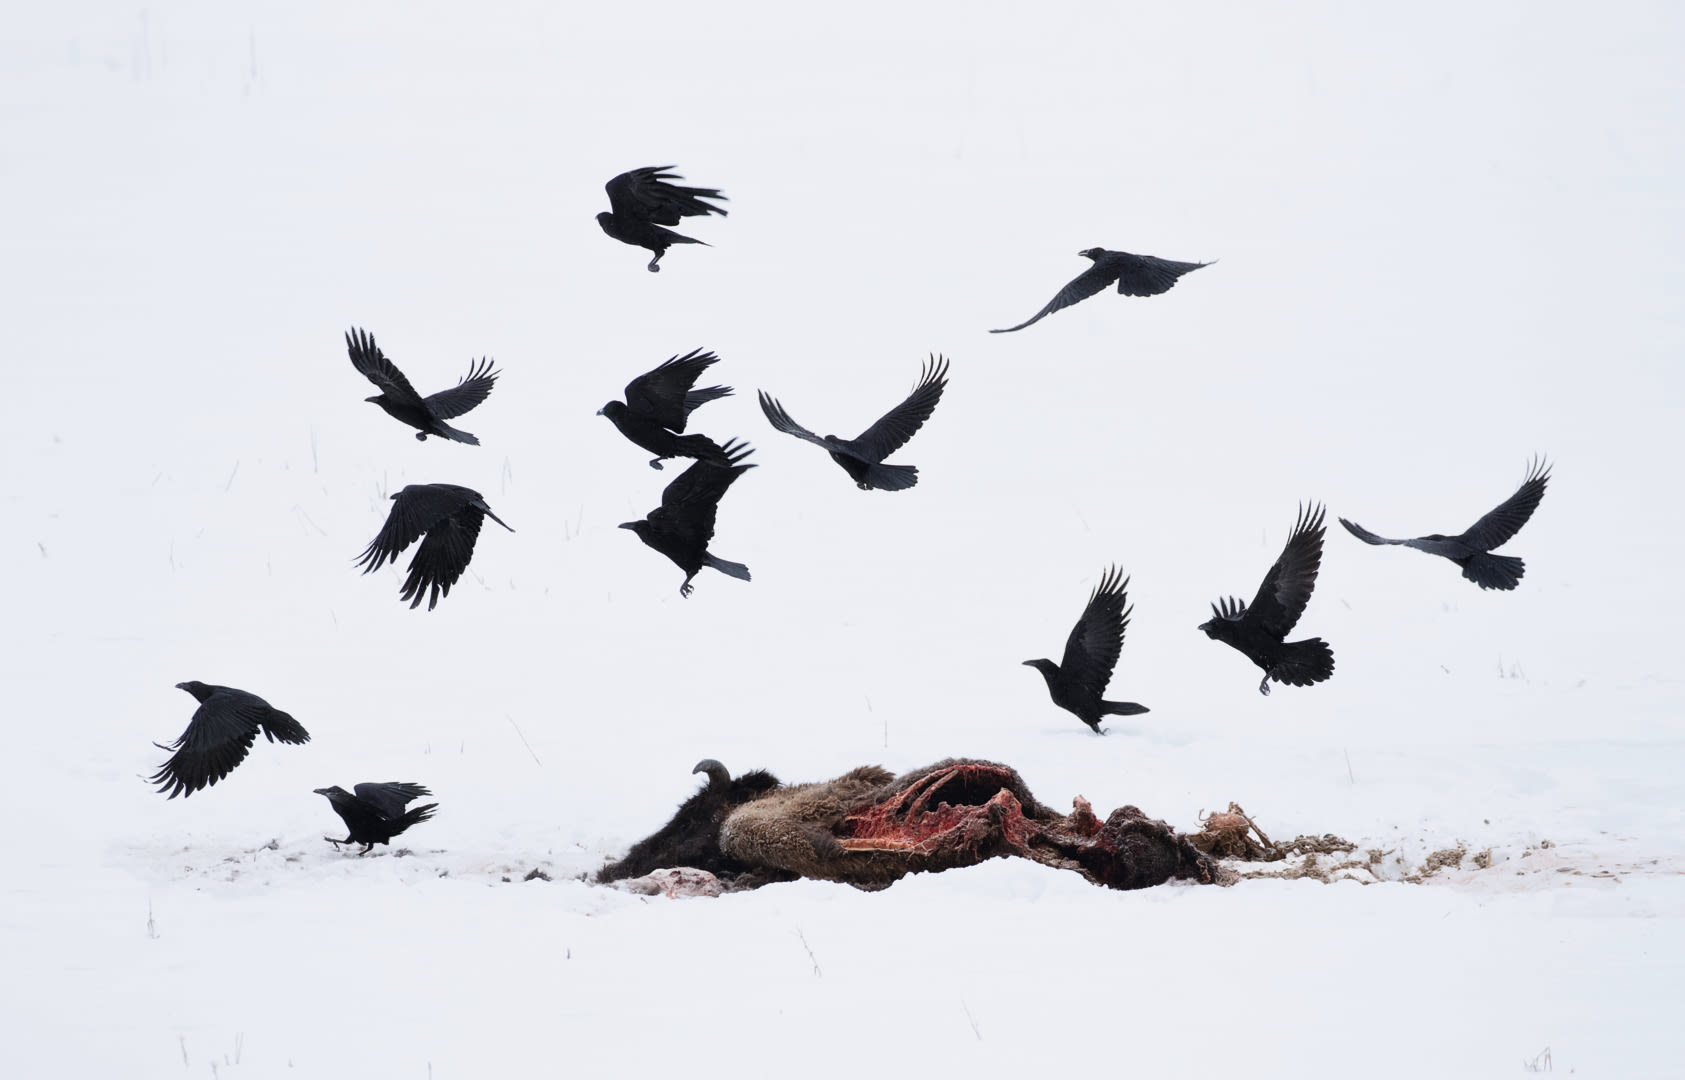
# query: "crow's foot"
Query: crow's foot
{"points": [[656, 464]]}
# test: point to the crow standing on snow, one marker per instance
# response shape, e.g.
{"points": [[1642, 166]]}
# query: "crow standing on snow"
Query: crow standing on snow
{"points": [[862, 458], [659, 402], [1091, 653], [219, 737], [1136, 275], [681, 527], [1472, 549], [1260, 631], [375, 814], [426, 414], [450, 516], [642, 201]]}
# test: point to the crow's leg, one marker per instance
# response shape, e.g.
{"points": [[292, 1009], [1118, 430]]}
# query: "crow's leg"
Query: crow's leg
{"points": [[336, 843], [687, 588], [656, 464], [367, 848], [421, 436], [652, 268], [1264, 685]]}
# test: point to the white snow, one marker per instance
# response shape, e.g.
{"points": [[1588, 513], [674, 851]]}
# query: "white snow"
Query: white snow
{"points": [[1448, 237]]}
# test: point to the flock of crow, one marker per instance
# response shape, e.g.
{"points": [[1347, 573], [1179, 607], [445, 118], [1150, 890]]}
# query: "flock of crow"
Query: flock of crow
{"points": [[446, 519]]}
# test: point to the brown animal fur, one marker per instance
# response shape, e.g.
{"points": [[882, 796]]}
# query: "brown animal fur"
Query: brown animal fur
{"points": [[869, 829], [790, 828]]}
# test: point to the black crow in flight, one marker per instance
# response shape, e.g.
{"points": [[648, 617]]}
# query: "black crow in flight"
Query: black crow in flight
{"points": [[862, 458], [375, 814], [659, 402], [1472, 549], [450, 516], [1091, 652], [1260, 631], [219, 737], [426, 414], [681, 527], [1136, 275], [642, 201]]}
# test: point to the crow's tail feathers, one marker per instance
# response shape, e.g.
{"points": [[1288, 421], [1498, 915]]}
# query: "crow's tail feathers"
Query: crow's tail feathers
{"points": [[1303, 663], [1494, 571], [415, 817], [729, 569], [702, 448], [1121, 708], [892, 477], [455, 434], [669, 237]]}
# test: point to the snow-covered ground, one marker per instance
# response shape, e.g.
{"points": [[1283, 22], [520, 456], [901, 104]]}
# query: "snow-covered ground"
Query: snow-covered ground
{"points": [[1448, 237]]}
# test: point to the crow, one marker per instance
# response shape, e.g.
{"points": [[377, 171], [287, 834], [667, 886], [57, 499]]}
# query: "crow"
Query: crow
{"points": [[1091, 652], [219, 737], [1260, 631], [375, 814], [659, 402], [642, 201], [426, 414], [1472, 549], [681, 527], [1136, 275], [862, 458], [450, 516]]}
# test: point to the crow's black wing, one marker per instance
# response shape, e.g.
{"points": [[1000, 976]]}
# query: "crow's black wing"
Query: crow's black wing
{"points": [[391, 798], [473, 498], [690, 503], [218, 738], [469, 392], [660, 393], [782, 420], [644, 195], [1229, 608], [442, 556], [1287, 587], [1146, 275], [1510, 515], [1091, 651], [415, 510], [895, 427], [1366, 536], [367, 358], [1081, 287], [1451, 548]]}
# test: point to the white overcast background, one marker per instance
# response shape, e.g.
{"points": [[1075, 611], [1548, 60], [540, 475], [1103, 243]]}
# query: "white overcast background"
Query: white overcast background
{"points": [[1447, 237]]}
